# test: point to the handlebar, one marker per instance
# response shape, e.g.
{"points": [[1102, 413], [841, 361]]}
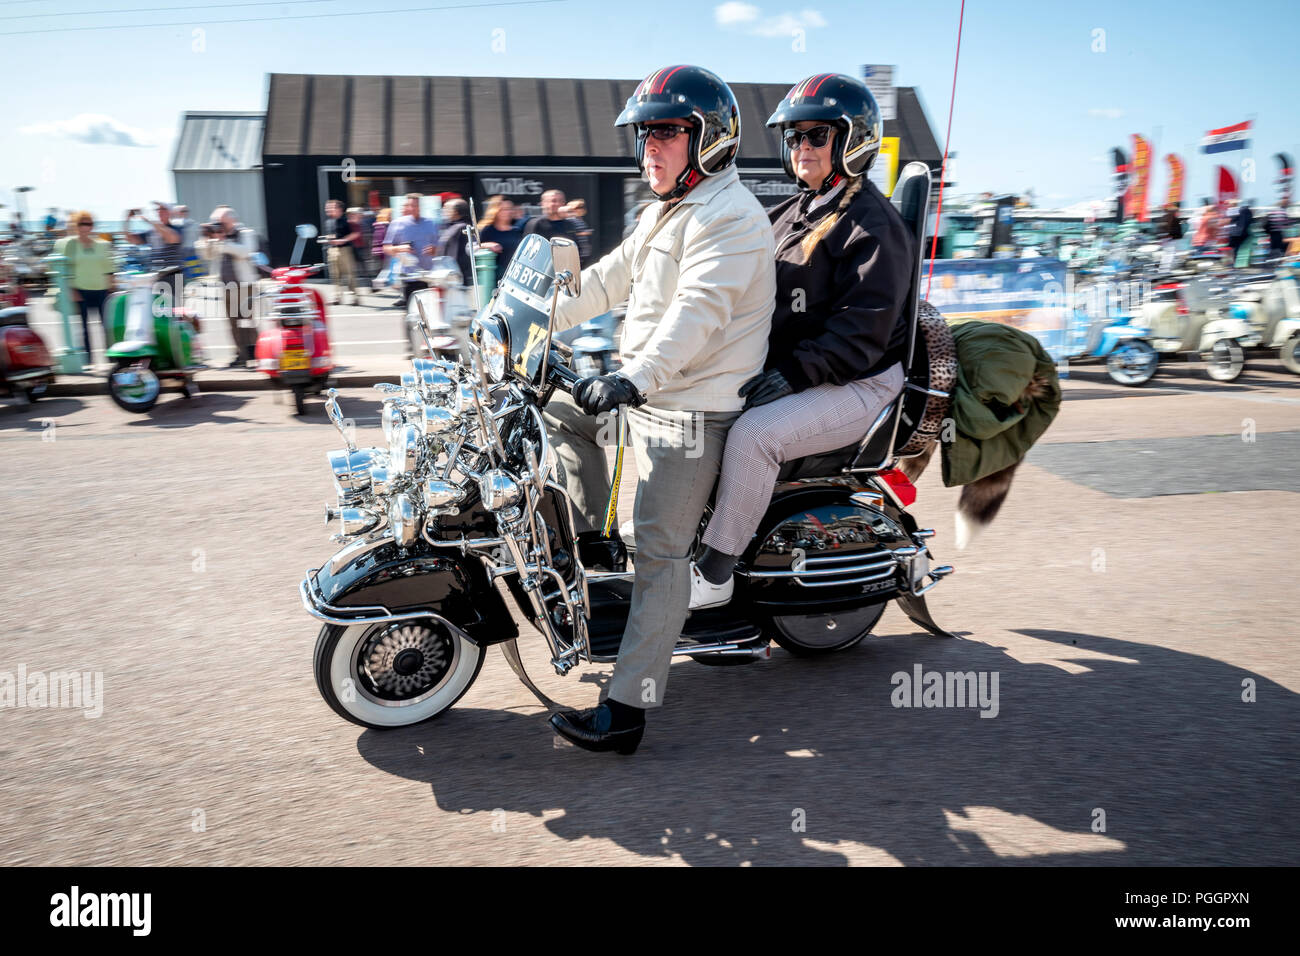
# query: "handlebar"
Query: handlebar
{"points": [[559, 374]]}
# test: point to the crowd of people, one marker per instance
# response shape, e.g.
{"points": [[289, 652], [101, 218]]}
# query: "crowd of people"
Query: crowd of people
{"points": [[1224, 227]]}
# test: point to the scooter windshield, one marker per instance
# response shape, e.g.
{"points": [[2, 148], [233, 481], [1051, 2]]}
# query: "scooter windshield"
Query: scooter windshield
{"points": [[139, 327], [523, 301]]}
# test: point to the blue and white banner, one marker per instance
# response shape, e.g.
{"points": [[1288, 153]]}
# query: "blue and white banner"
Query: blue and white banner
{"points": [[1029, 294]]}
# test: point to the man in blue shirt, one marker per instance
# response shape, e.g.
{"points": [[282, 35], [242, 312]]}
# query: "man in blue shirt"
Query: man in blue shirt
{"points": [[412, 236]]}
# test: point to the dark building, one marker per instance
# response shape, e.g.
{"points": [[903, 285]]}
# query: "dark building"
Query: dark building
{"points": [[357, 138]]}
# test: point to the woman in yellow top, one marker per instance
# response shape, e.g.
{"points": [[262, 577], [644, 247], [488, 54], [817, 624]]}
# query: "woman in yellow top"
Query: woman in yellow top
{"points": [[90, 274]]}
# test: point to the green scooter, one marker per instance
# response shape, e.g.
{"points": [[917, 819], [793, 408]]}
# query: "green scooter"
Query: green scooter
{"points": [[149, 341]]}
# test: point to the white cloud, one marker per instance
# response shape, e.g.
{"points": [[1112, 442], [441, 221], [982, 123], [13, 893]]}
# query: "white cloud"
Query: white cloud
{"points": [[1106, 112], [733, 12], [95, 129], [749, 19]]}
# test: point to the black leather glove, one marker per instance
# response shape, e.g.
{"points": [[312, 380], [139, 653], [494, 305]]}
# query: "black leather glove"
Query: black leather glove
{"points": [[600, 393], [765, 387]]}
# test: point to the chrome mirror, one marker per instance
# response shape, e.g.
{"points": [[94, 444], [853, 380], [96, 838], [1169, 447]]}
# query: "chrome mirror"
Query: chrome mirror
{"points": [[567, 265]]}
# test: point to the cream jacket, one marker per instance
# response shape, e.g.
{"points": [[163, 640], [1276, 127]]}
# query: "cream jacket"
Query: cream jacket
{"points": [[700, 284]]}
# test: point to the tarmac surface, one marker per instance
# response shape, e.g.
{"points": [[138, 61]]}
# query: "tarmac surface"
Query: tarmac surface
{"points": [[1135, 599]]}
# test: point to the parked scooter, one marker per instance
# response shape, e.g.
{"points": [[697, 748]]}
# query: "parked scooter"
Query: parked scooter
{"points": [[466, 494], [1195, 314], [293, 348], [26, 369], [149, 340], [446, 306], [1099, 330], [1272, 307]]}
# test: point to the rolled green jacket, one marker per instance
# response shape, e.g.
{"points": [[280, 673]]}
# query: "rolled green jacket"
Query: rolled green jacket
{"points": [[995, 363]]}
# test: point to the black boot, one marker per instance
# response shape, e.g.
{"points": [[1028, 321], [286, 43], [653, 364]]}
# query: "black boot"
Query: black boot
{"points": [[606, 554], [608, 726]]}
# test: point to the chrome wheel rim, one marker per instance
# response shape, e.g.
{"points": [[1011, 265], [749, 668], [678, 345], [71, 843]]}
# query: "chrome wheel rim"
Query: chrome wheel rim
{"points": [[136, 385], [1132, 363], [403, 663], [828, 630]]}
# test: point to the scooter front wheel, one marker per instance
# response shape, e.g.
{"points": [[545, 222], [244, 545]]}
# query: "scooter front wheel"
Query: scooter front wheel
{"points": [[1132, 363], [300, 399], [1289, 353], [133, 386], [1225, 360], [810, 635], [395, 674]]}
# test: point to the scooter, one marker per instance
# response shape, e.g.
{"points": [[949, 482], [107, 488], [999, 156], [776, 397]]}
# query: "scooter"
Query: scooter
{"points": [[150, 340], [293, 348], [1110, 333], [26, 369], [1272, 307], [1196, 314], [446, 306], [464, 497]]}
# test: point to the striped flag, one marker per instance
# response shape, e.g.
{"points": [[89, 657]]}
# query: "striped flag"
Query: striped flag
{"points": [[1229, 137]]}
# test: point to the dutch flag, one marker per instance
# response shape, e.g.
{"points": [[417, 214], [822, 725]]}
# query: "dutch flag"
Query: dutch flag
{"points": [[1229, 137]]}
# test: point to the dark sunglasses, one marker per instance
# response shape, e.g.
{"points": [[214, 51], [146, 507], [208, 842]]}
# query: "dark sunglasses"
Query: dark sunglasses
{"points": [[664, 133], [817, 137]]}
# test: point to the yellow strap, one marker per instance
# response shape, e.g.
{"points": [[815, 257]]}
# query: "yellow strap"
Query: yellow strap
{"points": [[611, 512]]}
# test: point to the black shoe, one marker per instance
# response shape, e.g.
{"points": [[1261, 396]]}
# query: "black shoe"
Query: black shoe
{"points": [[591, 730], [236, 363], [599, 552]]}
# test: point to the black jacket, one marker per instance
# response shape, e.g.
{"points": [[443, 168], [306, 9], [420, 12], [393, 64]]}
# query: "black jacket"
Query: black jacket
{"points": [[838, 317], [454, 243]]}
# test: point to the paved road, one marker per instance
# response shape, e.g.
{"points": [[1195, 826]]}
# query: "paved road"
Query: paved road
{"points": [[1123, 623]]}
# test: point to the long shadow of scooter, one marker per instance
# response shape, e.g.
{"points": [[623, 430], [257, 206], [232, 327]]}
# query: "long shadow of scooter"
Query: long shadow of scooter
{"points": [[800, 761]]}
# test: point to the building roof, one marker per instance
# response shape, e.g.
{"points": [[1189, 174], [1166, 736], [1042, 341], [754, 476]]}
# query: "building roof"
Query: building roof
{"points": [[219, 140], [507, 118]]}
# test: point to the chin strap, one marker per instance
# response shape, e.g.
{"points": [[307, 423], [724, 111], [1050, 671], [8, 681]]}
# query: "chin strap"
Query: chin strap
{"points": [[833, 180], [685, 183]]}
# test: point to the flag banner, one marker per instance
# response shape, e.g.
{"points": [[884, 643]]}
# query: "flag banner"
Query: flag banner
{"points": [[1137, 198], [1120, 161], [1285, 174], [1227, 184], [1226, 138], [1176, 168]]}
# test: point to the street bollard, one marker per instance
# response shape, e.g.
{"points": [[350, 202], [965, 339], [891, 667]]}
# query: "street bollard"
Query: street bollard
{"points": [[485, 265], [69, 359]]}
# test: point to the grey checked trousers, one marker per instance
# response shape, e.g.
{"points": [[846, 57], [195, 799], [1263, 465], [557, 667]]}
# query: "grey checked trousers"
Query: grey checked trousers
{"points": [[811, 422], [678, 455]]}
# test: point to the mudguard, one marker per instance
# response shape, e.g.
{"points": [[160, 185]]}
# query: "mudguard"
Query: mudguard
{"points": [[450, 584]]}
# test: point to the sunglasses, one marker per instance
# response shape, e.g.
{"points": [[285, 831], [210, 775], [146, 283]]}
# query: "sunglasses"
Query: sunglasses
{"points": [[664, 133], [817, 137]]}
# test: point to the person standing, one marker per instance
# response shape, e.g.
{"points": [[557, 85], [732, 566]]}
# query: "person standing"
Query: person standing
{"points": [[1275, 225], [1171, 231], [90, 274], [341, 235], [698, 269], [415, 236], [497, 229], [455, 240], [552, 222], [167, 244], [230, 250], [1239, 231], [575, 211], [380, 229]]}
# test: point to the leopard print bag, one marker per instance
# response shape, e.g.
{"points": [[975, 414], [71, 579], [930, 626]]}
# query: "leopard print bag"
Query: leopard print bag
{"points": [[936, 339]]}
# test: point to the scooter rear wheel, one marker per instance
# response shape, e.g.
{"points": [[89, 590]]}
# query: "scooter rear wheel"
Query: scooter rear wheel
{"points": [[811, 635]]}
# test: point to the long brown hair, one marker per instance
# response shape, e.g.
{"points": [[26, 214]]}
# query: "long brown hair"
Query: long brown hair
{"points": [[810, 241], [490, 210]]}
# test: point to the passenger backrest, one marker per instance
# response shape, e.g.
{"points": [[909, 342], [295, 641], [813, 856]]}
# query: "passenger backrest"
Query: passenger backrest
{"points": [[911, 197]]}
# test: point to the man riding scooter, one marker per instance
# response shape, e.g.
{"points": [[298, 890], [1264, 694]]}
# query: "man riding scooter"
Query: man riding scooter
{"points": [[698, 276]]}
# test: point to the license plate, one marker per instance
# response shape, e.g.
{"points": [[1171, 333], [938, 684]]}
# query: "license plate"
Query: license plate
{"points": [[291, 359]]}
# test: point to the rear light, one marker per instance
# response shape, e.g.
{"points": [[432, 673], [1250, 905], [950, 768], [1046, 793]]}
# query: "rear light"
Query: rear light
{"points": [[898, 482], [321, 361]]}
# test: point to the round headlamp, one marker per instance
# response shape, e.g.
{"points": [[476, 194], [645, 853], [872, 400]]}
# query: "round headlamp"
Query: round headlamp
{"points": [[404, 449], [493, 345], [499, 490], [403, 519]]}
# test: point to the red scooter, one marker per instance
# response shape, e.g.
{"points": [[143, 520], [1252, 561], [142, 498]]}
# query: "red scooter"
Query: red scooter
{"points": [[25, 366], [293, 347]]}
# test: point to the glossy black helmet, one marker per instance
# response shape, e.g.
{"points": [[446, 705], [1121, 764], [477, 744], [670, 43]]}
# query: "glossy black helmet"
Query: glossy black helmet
{"points": [[845, 103], [705, 102]]}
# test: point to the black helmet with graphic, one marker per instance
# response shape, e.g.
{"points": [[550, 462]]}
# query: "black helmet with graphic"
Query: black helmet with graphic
{"points": [[845, 103], [704, 102]]}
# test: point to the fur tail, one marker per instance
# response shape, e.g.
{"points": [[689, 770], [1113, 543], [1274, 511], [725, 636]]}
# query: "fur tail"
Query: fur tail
{"points": [[980, 502]]}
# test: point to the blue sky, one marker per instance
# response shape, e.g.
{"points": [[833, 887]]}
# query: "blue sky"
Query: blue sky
{"points": [[1036, 105]]}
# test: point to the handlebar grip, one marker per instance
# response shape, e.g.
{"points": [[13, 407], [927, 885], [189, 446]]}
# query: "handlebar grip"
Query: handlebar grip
{"points": [[559, 374]]}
